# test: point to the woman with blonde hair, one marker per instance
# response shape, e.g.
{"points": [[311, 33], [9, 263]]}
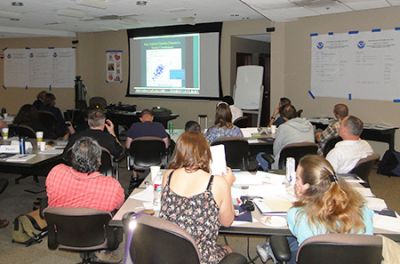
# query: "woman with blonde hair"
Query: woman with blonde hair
{"points": [[223, 126], [194, 199], [325, 204]]}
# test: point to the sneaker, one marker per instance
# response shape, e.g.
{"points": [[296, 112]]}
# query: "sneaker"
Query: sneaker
{"points": [[107, 256], [263, 252]]}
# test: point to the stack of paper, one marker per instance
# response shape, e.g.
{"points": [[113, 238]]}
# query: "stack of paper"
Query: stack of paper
{"points": [[20, 157], [273, 206]]}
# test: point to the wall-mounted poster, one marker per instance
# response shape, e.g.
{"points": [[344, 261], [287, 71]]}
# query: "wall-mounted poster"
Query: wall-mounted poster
{"points": [[114, 66]]}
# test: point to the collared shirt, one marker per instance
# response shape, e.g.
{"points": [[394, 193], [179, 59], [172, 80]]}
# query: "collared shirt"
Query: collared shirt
{"points": [[67, 187], [345, 155], [331, 131]]}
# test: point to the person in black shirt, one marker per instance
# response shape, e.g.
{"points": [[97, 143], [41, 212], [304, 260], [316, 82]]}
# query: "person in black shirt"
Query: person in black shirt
{"points": [[38, 103], [100, 129]]}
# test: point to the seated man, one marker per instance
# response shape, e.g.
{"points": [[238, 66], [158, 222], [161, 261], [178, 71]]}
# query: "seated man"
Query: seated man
{"points": [[82, 186], [146, 128], [348, 152], [340, 111], [293, 130], [97, 124]]}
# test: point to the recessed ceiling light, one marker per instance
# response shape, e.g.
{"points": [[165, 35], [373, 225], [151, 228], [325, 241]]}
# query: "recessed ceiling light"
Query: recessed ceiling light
{"points": [[17, 4], [15, 19], [141, 3], [234, 15]]}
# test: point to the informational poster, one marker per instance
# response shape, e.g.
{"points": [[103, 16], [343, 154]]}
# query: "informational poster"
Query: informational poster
{"points": [[114, 66], [41, 68], [356, 65]]}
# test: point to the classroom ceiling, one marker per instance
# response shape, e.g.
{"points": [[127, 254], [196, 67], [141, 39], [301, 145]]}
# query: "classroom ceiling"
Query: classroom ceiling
{"points": [[28, 18]]}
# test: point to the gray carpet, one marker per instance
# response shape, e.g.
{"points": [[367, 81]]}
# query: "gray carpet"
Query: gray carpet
{"points": [[15, 201]]}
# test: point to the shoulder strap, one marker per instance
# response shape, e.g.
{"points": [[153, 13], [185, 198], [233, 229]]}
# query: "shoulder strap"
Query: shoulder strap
{"points": [[169, 178], [210, 183]]}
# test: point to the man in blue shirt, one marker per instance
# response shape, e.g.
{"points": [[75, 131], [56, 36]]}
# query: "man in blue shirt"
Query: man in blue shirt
{"points": [[146, 128]]}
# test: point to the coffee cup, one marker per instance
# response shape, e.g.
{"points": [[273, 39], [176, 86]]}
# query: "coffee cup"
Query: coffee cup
{"points": [[41, 146], [273, 129], [4, 132], [39, 136], [5, 115]]}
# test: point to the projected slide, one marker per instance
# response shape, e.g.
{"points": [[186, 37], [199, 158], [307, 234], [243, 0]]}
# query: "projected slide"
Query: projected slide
{"points": [[182, 65], [161, 64]]}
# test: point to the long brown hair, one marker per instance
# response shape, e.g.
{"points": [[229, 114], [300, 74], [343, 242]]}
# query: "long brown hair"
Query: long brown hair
{"points": [[223, 115], [192, 152], [329, 202]]}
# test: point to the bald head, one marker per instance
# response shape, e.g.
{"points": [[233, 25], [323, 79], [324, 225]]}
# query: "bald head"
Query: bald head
{"points": [[340, 111]]}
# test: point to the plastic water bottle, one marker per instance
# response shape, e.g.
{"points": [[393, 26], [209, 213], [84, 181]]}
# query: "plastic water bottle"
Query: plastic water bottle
{"points": [[290, 170], [157, 185], [22, 149]]}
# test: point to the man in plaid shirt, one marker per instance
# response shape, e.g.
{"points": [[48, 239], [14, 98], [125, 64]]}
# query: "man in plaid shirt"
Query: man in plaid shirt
{"points": [[340, 111]]}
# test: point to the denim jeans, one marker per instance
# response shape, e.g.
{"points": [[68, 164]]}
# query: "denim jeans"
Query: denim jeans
{"points": [[294, 247], [262, 162]]}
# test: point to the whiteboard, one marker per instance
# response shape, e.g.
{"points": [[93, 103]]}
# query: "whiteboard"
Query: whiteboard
{"points": [[248, 87], [46, 67], [356, 65]]}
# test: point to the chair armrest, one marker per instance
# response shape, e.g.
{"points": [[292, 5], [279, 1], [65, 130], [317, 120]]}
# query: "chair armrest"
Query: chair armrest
{"points": [[233, 258], [280, 248]]}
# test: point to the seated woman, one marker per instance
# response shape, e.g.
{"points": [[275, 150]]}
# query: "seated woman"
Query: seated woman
{"points": [[196, 200], [325, 204], [223, 126]]}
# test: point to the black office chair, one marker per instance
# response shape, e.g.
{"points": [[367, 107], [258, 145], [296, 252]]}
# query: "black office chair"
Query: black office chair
{"points": [[331, 249], [156, 240], [299, 112], [98, 102], [48, 120], [296, 151], [21, 131], [145, 152], [364, 167], [236, 152], [330, 144], [241, 122], [109, 166], [81, 229]]}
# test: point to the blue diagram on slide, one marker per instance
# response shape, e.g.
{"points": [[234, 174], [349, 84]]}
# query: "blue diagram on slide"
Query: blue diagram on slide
{"points": [[159, 70]]}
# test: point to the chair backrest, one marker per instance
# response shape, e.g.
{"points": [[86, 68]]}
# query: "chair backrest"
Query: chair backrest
{"points": [[236, 151], [330, 144], [48, 120], [296, 151], [107, 167], [241, 122], [299, 112], [341, 248], [98, 102], [156, 240], [146, 151], [77, 228], [364, 166], [21, 131]]}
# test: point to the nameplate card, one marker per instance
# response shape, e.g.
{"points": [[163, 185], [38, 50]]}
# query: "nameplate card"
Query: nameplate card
{"points": [[9, 149]]}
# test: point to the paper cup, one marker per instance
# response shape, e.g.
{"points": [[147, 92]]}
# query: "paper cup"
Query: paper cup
{"points": [[39, 136], [4, 133], [41, 146], [154, 170], [273, 129], [5, 115]]}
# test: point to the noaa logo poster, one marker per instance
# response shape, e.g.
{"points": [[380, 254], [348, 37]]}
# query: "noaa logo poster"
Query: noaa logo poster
{"points": [[356, 65], [328, 67]]}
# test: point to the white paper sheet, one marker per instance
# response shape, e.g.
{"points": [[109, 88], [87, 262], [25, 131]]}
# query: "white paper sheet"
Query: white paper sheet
{"points": [[146, 195], [386, 222], [218, 164], [375, 204], [365, 192], [248, 131]]}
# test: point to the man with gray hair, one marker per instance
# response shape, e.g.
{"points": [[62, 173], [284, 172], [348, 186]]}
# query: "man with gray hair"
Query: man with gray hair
{"points": [[100, 129], [82, 186], [348, 152]]}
